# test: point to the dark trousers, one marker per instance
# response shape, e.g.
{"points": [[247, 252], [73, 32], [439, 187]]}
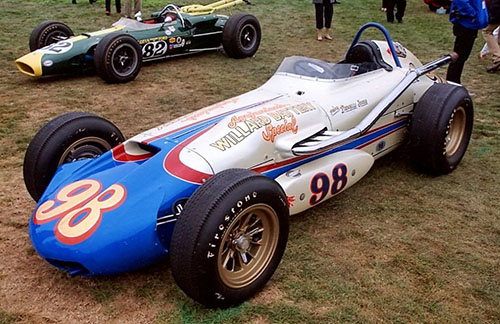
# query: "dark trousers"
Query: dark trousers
{"points": [[325, 8], [118, 6], [400, 6], [464, 40]]}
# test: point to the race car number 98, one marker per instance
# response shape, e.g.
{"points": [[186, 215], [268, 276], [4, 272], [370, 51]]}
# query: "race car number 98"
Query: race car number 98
{"points": [[78, 209], [153, 49]]}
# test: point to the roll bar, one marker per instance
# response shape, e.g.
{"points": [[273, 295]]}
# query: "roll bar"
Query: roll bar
{"points": [[386, 35]]}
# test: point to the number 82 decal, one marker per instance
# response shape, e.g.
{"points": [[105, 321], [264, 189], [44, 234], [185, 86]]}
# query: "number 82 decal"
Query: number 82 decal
{"points": [[320, 183], [153, 49]]}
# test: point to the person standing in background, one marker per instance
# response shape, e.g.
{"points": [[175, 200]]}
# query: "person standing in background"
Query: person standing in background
{"points": [[467, 17], [108, 7], [492, 42], [323, 8], [388, 7], [128, 7]]}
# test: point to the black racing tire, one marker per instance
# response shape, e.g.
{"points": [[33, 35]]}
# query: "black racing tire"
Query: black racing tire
{"points": [[47, 33], [66, 138], [241, 36], [235, 214], [441, 127], [118, 58]]}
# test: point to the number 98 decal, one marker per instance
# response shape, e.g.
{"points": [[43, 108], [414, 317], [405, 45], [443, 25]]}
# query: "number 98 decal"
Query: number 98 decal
{"points": [[320, 183], [154, 49], [78, 209]]}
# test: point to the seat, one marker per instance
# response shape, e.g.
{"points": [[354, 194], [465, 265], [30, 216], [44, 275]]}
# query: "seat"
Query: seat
{"points": [[366, 52]]}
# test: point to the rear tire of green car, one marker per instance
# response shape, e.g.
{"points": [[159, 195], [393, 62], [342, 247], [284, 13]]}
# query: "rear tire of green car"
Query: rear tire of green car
{"points": [[241, 36], [47, 33], [118, 58]]}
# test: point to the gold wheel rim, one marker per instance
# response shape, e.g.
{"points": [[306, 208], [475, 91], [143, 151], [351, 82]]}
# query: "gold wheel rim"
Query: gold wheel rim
{"points": [[248, 246], [456, 131], [91, 141]]}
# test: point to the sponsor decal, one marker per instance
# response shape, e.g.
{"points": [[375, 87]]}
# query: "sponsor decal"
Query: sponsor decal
{"points": [[290, 200], [194, 116], [171, 40], [171, 28], [154, 39], [79, 208], [168, 32], [271, 131], [48, 63], [380, 146], [348, 108], [178, 40], [56, 48], [400, 50], [243, 125], [174, 46]]}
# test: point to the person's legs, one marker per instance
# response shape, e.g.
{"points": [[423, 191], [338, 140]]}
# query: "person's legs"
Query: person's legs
{"points": [[108, 7], [401, 6], [390, 10], [118, 6], [319, 19], [128, 8], [493, 46], [138, 6], [328, 18], [464, 40]]}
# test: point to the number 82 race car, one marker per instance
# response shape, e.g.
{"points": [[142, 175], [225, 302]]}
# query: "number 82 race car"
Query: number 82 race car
{"points": [[214, 189], [117, 53]]}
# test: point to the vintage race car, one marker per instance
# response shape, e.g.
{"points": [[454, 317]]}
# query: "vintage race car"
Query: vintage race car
{"points": [[214, 189], [436, 4], [117, 53]]}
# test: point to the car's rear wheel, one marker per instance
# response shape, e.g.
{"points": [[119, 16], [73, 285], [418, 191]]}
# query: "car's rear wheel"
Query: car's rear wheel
{"points": [[47, 33], [70, 137], [441, 128], [118, 58], [241, 36], [230, 237]]}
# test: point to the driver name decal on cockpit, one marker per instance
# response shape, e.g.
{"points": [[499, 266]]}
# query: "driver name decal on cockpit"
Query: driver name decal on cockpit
{"points": [[347, 108]]}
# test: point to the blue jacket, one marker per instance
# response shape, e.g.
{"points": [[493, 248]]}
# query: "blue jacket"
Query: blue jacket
{"points": [[471, 14]]}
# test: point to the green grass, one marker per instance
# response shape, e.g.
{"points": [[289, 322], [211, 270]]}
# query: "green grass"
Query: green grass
{"points": [[399, 247]]}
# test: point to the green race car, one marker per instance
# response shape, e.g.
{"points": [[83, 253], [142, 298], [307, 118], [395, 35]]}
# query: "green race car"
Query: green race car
{"points": [[117, 53]]}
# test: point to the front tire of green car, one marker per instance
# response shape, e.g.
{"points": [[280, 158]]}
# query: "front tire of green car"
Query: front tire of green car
{"points": [[118, 58], [47, 33]]}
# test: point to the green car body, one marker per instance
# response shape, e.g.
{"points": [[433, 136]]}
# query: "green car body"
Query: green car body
{"points": [[179, 34]]}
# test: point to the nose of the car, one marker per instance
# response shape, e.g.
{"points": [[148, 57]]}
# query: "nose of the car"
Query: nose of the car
{"points": [[30, 64]]}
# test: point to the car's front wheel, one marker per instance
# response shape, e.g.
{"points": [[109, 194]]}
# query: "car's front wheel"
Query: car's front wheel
{"points": [[69, 137], [441, 127], [241, 36], [47, 33], [118, 58], [230, 237]]}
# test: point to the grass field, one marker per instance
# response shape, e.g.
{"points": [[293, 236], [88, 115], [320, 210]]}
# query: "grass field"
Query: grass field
{"points": [[399, 247]]}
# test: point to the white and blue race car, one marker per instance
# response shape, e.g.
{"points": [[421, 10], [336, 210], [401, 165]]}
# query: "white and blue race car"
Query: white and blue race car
{"points": [[213, 190]]}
